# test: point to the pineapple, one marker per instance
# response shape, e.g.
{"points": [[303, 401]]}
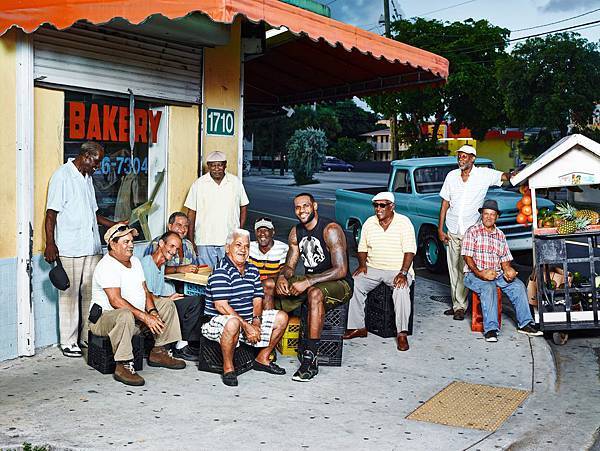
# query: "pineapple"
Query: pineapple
{"points": [[566, 211], [571, 226], [593, 216]]}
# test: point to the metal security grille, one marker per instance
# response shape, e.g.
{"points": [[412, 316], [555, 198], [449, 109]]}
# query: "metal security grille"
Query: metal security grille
{"points": [[97, 58]]}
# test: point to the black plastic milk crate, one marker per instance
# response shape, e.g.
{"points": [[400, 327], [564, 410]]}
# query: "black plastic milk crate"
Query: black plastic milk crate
{"points": [[101, 358], [335, 321], [211, 357], [380, 318], [329, 352]]}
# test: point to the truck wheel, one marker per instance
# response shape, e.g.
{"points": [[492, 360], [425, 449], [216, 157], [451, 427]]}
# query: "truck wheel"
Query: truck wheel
{"points": [[433, 253]]}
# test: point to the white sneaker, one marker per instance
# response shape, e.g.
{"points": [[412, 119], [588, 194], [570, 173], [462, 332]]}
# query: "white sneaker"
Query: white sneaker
{"points": [[71, 350]]}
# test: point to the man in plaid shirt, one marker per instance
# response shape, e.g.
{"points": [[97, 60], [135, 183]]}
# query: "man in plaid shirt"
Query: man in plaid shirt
{"points": [[487, 258]]}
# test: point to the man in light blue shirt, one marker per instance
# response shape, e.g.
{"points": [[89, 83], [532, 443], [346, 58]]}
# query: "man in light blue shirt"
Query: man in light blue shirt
{"points": [[189, 308], [71, 226]]}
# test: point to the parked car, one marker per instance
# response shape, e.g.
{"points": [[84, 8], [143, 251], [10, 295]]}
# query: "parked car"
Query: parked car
{"points": [[335, 164], [416, 184]]}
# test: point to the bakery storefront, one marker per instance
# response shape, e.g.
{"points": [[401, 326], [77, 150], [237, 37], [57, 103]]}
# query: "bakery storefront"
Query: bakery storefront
{"points": [[159, 84]]}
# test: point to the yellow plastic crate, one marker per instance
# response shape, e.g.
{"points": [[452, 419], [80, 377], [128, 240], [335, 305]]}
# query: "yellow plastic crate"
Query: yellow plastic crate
{"points": [[291, 337]]}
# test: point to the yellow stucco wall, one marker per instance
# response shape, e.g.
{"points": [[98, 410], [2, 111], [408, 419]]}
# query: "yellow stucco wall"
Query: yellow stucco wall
{"points": [[222, 90], [8, 138], [182, 167], [496, 150], [48, 156]]}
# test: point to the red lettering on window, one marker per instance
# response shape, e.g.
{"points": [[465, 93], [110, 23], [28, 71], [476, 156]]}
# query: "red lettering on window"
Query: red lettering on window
{"points": [[94, 131], [123, 124], [109, 133], [154, 123], [76, 120], [141, 125]]}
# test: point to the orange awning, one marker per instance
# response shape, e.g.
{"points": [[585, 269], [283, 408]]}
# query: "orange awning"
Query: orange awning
{"points": [[327, 59]]}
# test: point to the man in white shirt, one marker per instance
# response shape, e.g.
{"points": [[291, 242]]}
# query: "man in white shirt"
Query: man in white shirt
{"points": [[462, 194], [71, 226], [119, 289], [217, 204]]}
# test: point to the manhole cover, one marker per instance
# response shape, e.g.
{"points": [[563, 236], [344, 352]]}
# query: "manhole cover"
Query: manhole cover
{"points": [[473, 406]]}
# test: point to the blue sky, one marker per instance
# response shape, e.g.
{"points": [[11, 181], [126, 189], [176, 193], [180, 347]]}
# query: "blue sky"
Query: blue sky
{"points": [[512, 14]]}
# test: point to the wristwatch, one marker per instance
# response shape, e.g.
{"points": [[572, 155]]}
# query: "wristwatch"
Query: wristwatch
{"points": [[404, 273], [257, 317]]}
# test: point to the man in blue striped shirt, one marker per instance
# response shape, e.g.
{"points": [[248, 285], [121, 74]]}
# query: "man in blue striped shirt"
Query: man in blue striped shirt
{"points": [[234, 296]]}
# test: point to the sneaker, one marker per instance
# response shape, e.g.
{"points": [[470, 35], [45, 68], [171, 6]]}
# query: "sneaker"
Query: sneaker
{"points": [[187, 353], [309, 367], [530, 330], [162, 357], [491, 336], [71, 350], [125, 373]]}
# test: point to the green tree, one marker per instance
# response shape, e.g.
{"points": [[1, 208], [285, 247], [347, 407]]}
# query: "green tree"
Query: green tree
{"points": [[306, 151], [551, 82], [350, 149], [470, 97], [353, 120]]}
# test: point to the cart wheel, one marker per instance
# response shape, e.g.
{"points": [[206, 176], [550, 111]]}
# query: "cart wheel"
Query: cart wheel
{"points": [[560, 338]]}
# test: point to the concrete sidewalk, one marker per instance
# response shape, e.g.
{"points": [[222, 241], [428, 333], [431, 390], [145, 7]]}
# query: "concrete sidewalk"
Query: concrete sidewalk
{"points": [[50, 399]]}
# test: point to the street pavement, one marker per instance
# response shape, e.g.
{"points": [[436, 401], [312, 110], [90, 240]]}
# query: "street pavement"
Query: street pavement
{"points": [[52, 400]]}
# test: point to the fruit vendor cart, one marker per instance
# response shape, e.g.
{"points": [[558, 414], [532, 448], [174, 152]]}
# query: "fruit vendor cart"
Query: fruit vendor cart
{"points": [[567, 240]]}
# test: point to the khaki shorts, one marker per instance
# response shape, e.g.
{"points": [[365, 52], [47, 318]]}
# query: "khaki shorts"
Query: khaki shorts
{"points": [[336, 292]]}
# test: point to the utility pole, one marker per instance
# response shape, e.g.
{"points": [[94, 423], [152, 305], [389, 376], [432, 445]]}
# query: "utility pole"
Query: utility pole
{"points": [[393, 125]]}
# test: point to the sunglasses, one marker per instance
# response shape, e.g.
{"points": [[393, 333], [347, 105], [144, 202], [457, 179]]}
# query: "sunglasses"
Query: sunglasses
{"points": [[381, 204], [119, 229], [264, 218]]}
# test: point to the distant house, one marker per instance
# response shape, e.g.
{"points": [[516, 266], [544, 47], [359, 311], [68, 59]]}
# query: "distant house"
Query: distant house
{"points": [[382, 147], [499, 146]]}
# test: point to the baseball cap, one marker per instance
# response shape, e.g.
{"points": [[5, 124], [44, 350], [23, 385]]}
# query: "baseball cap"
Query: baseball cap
{"points": [[118, 230], [58, 276], [215, 156], [384, 195], [467, 149], [263, 222]]}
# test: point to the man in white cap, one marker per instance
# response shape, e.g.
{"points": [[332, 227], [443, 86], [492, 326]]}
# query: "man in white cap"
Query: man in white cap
{"points": [[121, 304], [462, 194], [385, 253], [217, 204]]}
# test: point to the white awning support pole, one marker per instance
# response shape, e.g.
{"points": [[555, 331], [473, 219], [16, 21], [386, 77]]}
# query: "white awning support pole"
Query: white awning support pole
{"points": [[24, 148]]}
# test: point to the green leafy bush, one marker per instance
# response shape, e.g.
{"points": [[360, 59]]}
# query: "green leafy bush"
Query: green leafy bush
{"points": [[306, 151]]}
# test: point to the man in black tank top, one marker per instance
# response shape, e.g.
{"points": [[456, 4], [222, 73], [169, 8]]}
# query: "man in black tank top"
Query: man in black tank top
{"points": [[326, 282]]}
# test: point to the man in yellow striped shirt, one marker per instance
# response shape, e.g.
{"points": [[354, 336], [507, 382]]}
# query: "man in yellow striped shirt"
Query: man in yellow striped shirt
{"points": [[385, 253], [268, 255]]}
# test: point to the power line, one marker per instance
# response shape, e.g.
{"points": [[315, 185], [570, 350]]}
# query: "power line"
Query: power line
{"points": [[554, 23], [586, 25], [444, 9]]}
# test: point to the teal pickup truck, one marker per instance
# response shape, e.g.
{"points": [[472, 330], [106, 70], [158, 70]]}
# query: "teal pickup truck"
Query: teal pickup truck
{"points": [[416, 184]]}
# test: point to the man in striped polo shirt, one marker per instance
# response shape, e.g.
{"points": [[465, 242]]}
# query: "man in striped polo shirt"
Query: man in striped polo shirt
{"points": [[385, 253], [234, 300], [268, 255]]}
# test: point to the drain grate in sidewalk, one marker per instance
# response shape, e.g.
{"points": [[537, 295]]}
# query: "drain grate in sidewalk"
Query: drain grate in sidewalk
{"points": [[473, 406]]}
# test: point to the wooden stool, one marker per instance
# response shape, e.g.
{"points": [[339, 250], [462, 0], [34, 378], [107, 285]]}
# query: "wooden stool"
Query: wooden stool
{"points": [[477, 315]]}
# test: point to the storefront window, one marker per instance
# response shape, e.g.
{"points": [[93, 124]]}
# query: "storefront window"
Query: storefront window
{"points": [[121, 182]]}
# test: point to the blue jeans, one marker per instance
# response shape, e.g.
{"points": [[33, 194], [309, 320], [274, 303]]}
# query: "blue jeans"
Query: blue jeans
{"points": [[210, 255], [515, 290]]}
